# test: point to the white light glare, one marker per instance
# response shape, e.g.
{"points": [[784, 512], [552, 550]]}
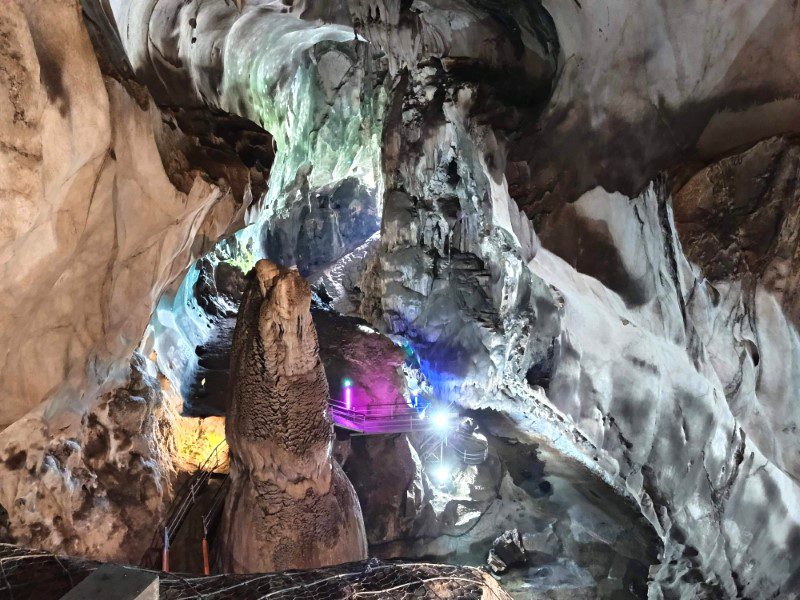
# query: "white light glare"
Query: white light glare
{"points": [[441, 420], [441, 473]]}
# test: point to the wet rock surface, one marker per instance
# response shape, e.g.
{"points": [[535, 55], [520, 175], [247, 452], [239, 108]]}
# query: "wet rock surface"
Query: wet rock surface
{"points": [[677, 370]]}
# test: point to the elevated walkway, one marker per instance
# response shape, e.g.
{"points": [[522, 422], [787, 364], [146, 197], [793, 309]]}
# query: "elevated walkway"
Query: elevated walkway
{"points": [[375, 419]]}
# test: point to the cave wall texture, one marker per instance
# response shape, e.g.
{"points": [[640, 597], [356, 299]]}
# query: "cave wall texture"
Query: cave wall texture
{"points": [[588, 226], [96, 226], [290, 505]]}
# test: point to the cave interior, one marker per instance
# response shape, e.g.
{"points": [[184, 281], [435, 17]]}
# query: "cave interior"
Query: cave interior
{"points": [[400, 298]]}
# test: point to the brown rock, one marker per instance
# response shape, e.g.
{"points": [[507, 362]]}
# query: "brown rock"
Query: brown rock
{"points": [[290, 506]]}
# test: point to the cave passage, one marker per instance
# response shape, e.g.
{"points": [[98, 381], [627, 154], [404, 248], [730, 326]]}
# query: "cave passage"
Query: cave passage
{"points": [[379, 298]]}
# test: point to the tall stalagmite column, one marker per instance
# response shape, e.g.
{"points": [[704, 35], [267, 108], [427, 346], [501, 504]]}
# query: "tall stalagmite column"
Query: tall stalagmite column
{"points": [[290, 506]]}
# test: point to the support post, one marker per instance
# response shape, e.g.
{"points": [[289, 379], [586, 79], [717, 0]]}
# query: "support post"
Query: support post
{"points": [[206, 566], [165, 554]]}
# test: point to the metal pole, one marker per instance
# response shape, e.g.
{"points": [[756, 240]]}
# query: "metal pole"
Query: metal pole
{"points": [[206, 567], [165, 555]]}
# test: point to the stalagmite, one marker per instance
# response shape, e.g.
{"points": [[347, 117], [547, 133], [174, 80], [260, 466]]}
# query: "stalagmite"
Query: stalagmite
{"points": [[290, 506]]}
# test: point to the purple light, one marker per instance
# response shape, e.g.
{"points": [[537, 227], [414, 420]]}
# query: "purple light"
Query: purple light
{"points": [[347, 384]]}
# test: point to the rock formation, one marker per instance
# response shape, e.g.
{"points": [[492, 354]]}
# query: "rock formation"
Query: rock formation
{"points": [[290, 506], [96, 487], [97, 225], [588, 239]]}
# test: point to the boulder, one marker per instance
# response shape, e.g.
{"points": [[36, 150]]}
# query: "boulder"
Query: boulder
{"points": [[507, 552]]}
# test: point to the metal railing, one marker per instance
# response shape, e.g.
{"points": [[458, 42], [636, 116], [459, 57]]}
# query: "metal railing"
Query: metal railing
{"points": [[210, 517], [402, 418], [185, 498], [213, 512], [196, 483], [379, 418], [430, 448], [470, 449]]}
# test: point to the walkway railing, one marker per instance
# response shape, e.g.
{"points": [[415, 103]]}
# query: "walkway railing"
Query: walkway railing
{"points": [[379, 418], [470, 449], [467, 447], [185, 499], [210, 518]]}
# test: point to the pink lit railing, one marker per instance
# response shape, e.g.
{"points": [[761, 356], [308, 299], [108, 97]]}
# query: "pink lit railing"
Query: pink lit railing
{"points": [[378, 418]]}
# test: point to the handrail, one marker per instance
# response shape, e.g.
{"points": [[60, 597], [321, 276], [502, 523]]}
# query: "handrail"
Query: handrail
{"points": [[196, 484], [185, 498], [378, 418], [375, 404], [216, 505], [460, 440]]}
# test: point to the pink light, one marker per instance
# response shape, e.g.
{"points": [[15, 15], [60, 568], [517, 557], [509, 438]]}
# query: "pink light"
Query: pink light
{"points": [[348, 397]]}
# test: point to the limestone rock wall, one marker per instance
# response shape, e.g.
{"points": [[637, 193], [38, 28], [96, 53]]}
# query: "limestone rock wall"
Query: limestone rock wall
{"points": [[322, 226], [94, 230], [669, 408], [97, 489], [581, 538], [737, 220], [452, 273], [314, 86], [96, 225], [619, 358], [644, 88]]}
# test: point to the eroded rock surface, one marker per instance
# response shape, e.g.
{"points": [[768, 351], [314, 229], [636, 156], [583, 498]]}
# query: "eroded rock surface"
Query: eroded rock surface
{"points": [[290, 505], [96, 488], [96, 225], [675, 410], [581, 538], [646, 88], [322, 225]]}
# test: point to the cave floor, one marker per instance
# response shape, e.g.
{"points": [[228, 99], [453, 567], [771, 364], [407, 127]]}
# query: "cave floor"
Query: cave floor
{"points": [[34, 575]]}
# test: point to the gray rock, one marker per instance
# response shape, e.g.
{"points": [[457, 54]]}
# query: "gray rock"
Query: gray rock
{"points": [[542, 542], [496, 564], [508, 549]]}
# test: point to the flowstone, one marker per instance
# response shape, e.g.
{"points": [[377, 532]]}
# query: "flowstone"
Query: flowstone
{"points": [[290, 505]]}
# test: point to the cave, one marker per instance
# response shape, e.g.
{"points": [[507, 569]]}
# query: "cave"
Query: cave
{"points": [[400, 299]]}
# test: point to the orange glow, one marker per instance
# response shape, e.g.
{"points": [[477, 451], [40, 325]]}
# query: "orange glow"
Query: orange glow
{"points": [[196, 438]]}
